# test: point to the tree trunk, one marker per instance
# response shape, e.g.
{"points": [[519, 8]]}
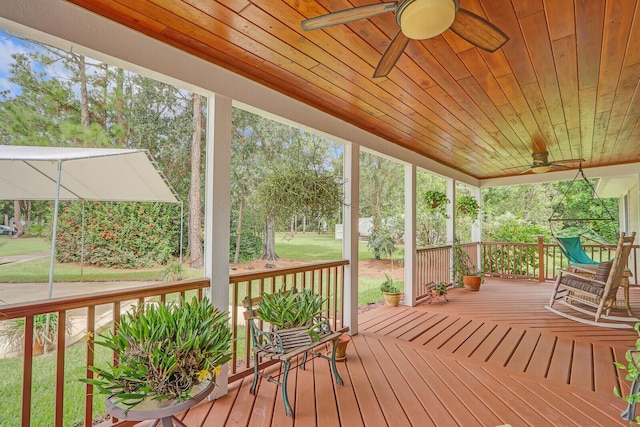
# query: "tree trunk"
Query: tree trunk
{"points": [[304, 224], [269, 242], [29, 204], [195, 199], [119, 105], [17, 223], [84, 97], [292, 226], [236, 257]]}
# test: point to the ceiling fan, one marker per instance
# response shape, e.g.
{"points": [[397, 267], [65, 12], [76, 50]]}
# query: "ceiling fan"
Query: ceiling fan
{"points": [[418, 20], [541, 163]]}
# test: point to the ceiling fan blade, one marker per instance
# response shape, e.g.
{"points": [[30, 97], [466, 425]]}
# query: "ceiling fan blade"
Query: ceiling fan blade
{"points": [[391, 55], [348, 15], [554, 165], [525, 171], [478, 31], [568, 161]]}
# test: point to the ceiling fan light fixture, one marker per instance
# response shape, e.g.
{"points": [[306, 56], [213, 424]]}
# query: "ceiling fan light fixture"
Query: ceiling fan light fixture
{"points": [[423, 19], [541, 169]]}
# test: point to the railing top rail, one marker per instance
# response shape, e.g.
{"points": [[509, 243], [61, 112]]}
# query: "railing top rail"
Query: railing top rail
{"points": [[245, 277], [30, 308], [511, 243], [433, 248]]}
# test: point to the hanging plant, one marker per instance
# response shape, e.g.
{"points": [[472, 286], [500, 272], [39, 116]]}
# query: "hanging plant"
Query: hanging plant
{"points": [[467, 205], [435, 199]]}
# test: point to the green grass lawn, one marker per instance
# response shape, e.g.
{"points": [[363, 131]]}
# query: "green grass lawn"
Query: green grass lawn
{"points": [[314, 247], [44, 384], [308, 247], [25, 245]]}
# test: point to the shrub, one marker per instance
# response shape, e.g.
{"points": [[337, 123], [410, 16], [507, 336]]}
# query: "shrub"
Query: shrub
{"points": [[121, 235]]}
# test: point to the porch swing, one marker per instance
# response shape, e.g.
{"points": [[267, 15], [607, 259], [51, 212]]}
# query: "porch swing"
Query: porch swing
{"points": [[587, 286], [569, 238]]}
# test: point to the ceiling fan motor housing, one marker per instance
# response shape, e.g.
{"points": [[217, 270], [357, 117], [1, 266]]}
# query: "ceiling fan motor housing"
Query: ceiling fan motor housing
{"points": [[423, 19]]}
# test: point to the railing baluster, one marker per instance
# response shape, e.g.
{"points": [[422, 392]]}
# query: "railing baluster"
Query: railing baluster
{"points": [[88, 389], [60, 353], [234, 326], [27, 371]]}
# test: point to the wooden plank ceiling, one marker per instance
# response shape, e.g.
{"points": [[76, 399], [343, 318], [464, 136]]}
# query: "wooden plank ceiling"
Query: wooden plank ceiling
{"points": [[566, 82]]}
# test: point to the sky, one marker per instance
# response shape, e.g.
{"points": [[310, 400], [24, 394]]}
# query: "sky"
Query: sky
{"points": [[8, 47]]}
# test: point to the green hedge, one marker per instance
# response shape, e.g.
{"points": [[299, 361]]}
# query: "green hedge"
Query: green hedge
{"points": [[119, 234]]}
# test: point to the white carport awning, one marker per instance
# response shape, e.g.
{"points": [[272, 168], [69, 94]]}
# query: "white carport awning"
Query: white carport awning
{"points": [[30, 173]]}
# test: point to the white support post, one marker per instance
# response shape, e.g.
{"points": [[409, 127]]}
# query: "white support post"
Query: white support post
{"points": [[350, 236], [410, 235], [476, 227], [451, 220], [218, 211]]}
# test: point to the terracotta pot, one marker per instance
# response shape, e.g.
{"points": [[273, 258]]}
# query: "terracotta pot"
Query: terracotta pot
{"points": [[341, 349], [392, 298], [38, 346], [472, 282]]}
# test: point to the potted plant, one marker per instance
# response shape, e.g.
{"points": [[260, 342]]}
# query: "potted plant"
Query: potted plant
{"points": [[465, 272], [390, 291], [163, 353], [435, 199], [173, 272], [435, 291], [293, 310], [467, 205], [44, 332]]}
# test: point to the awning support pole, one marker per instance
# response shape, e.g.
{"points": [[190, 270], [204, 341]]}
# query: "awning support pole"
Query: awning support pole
{"points": [[55, 228]]}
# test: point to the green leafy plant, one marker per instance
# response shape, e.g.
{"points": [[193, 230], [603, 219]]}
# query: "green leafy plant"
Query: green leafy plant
{"points": [[440, 288], [467, 205], [44, 332], [388, 286], [633, 370], [163, 351], [462, 264], [173, 272], [291, 309], [382, 241], [435, 199]]}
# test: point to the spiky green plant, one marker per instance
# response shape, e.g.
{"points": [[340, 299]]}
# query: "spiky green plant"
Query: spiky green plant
{"points": [[291, 309], [45, 327], [163, 351]]}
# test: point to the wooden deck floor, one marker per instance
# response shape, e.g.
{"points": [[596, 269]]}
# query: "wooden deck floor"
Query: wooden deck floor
{"points": [[485, 358]]}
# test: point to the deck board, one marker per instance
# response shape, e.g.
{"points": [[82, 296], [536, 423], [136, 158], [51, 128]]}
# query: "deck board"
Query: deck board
{"points": [[491, 357]]}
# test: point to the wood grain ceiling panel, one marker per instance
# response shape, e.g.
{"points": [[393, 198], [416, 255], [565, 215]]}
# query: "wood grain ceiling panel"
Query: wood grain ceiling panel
{"points": [[566, 82], [589, 27]]}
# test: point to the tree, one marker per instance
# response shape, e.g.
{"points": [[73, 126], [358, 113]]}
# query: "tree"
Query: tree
{"points": [[247, 168], [381, 197], [315, 194]]}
